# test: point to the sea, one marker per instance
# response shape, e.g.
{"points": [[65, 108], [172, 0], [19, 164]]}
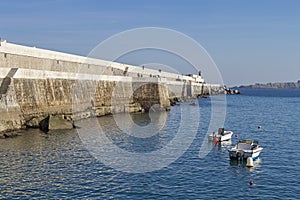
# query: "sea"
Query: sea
{"points": [[166, 163]]}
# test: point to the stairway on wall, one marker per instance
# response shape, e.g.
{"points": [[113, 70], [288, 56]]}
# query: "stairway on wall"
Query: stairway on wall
{"points": [[6, 81]]}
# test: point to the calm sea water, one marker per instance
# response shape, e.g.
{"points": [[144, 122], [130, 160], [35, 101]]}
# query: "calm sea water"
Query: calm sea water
{"points": [[58, 165]]}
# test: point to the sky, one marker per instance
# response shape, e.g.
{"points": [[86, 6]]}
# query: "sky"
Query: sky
{"points": [[255, 41]]}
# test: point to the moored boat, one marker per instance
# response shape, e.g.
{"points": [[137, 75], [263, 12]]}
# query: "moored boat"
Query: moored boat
{"points": [[221, 135], [245, 149]]}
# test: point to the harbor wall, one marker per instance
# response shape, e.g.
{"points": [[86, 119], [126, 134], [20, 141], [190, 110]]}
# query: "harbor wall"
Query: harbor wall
{"points": [[36, 83]]}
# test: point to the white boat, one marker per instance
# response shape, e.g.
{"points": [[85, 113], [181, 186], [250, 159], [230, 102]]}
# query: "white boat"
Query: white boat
{"points": [[221, 135], [244, 149]]}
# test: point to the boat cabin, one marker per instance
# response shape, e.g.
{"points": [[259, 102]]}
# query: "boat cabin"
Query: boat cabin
{"points": [[221, 131], [247, 144]]}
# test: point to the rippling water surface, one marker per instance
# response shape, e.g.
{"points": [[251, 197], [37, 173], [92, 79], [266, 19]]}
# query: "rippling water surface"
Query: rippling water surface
{"points": [[59, 166]]}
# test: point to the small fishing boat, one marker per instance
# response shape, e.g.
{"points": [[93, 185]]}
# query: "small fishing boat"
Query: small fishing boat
{"points": [[221, 135], [245, 149]]}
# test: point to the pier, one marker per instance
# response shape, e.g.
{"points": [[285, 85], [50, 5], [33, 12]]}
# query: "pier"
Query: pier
{"points": [[36, 83]]}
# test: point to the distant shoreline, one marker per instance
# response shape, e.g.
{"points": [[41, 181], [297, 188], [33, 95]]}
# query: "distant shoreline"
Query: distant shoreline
{"points": [[283, 85]]}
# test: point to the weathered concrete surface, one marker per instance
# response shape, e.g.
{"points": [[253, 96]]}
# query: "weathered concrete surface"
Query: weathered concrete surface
{"points": [[150, 94], [12, 55], [37, 83], [29, 100], [11, 117]]}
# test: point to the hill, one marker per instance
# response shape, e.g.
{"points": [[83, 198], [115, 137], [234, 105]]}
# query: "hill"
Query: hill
{"points": [[286, 85]]}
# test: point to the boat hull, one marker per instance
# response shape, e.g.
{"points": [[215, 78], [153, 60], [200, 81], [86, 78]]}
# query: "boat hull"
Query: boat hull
{"points": [[227, 136], [244, 154]]}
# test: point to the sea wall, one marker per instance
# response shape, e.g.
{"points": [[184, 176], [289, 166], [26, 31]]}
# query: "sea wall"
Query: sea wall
{"points": [[37, 83], [27, 99]]}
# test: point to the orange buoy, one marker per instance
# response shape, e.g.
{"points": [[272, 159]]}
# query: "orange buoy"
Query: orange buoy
{"points": [[250, 182], [216, 140]]}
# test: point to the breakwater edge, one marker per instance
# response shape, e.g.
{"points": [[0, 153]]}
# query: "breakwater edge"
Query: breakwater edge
{"points": [[50, 90]]}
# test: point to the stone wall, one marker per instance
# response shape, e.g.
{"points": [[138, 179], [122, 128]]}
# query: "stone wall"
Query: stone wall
{"points": [[36, 83], [151, 95], [11, 115], [12, 55], [27, 99]]}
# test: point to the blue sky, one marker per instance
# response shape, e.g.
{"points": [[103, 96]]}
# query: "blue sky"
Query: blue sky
{"points": [[250, 41]]}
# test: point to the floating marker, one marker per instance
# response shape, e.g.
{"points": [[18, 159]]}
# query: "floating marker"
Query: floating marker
{"points": [[250, 182], [249, 162], [216, 140]]}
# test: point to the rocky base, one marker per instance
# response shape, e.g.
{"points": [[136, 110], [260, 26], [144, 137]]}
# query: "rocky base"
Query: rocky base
{"points": [[9, 134], [56, 123], [231, 91], [45, 123]]}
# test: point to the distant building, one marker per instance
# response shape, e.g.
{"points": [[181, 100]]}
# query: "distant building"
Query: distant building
{"points": [[198, 79]]}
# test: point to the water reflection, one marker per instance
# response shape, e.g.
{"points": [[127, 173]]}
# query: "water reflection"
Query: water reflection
{"points": [[131, 143], [242, 163], [169, 137], [141, 125]]}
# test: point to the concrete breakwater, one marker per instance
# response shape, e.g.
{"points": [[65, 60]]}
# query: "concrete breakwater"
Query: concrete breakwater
{"points": [[37, 84]]}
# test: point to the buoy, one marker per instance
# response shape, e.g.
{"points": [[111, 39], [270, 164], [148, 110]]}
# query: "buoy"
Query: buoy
{"points": [[249, 162], [250, 182], [236, 136], [259, 127], [216, 140]]}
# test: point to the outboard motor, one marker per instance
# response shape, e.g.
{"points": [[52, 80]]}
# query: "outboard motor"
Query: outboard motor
{"points": [[239, 155]]}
